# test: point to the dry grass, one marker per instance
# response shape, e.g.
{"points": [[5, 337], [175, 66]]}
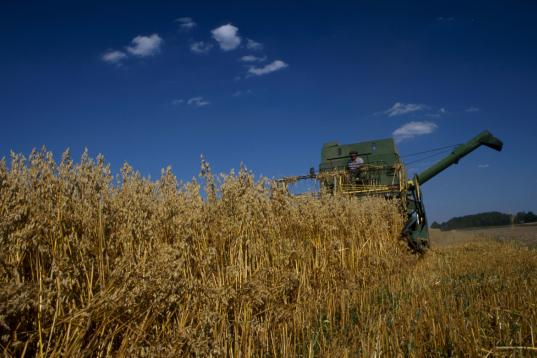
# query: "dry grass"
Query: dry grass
{"points": [[100, 265]]}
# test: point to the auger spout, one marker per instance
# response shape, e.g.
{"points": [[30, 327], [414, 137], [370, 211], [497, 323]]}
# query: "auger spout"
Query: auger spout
{"points": [[484, 138]]}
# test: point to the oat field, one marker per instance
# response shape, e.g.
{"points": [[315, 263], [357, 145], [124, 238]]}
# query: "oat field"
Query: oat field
{"points": [[97, 264]]}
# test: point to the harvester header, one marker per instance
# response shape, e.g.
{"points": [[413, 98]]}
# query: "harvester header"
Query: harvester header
{"points": [[378, 170]]}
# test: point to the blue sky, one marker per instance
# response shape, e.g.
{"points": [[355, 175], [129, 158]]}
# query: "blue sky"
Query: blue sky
{"points": [[267, 83]]}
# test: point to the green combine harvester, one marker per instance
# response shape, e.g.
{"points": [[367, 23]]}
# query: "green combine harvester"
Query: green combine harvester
{"points": [[383, 174]]}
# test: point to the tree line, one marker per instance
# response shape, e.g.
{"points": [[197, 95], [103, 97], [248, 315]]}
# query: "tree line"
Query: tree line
{"points": [[492, 218]]}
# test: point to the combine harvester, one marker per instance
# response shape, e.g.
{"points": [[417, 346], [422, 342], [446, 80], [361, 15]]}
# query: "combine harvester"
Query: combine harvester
{"points": [[384, 174]]}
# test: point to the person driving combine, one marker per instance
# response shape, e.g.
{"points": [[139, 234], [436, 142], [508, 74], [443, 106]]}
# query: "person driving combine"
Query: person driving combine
{"points": [[355, 162]]}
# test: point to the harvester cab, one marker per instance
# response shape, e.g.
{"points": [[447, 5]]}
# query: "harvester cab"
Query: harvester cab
{"points": [[384, 174], [381, 173]]}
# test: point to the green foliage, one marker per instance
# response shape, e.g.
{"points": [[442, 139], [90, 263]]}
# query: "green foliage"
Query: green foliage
{"points": [[522, 217], [492, 218]]}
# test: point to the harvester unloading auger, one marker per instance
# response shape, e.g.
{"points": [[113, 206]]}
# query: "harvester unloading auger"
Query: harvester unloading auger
{"points": [[383, 174]]}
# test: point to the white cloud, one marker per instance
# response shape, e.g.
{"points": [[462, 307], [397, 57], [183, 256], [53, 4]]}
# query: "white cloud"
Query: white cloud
{"points": [[271, 67], [251, 58], [483, 166], [472, 109], [114, 56], [201, 47], [226, 36], [186, 23], [412, 129], [198, 102], [144, 46], [194, 101], [399, 109], [253, 45], [442, 111], [242, 93]]}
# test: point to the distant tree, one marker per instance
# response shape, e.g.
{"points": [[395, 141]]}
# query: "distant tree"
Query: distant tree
{"points": [[492, 218], [522, 217], [435, 225]]}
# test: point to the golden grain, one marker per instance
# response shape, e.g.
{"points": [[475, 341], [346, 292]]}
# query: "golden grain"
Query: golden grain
{"points": [[232, 266]]}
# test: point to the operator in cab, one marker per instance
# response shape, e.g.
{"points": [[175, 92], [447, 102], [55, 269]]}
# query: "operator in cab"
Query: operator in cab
{"points": [[354, 163]]}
